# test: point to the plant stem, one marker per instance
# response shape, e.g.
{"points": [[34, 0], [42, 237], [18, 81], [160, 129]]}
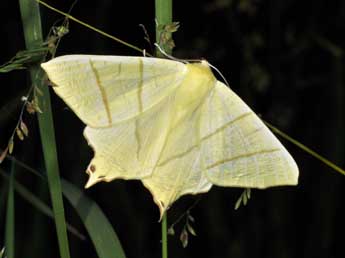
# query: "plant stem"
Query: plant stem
{"points": [[164, 224], [163, 9], [163, 17], [10, 219], [33, 38]]}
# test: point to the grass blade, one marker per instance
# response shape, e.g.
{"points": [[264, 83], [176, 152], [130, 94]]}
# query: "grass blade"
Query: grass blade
{"points": [[10, 220], [103, 236], [100, 230], [163, 12], [33, 38], [38, 204], [164, 228], [3, 199]]}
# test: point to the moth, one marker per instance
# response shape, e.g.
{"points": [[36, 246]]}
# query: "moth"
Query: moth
{"points": [[172, 125]]}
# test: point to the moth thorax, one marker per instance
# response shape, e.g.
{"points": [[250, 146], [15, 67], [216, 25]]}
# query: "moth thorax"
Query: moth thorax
{"points": [[197, 83], [194, 88]]}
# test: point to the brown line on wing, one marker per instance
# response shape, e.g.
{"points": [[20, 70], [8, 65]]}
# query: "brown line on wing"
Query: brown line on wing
{"points": [[220, 129], [103, 93], [140, 103], [241, 156], [223, 127]]}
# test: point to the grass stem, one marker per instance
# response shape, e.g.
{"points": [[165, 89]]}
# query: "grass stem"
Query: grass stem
{"points": [[163, 10], [31, 20]]}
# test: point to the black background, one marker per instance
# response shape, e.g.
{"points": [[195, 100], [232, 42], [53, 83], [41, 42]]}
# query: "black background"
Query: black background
{"points": [[278, 55]]}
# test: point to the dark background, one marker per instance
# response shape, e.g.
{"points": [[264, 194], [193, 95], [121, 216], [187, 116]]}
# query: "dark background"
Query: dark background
{"points": [[283, 57]]}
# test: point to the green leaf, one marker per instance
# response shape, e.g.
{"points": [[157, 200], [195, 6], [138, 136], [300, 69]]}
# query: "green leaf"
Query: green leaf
{"points": [[10, 220], [103, 236], [99, 228], [37, 203], [32, 29], [23, 59]]}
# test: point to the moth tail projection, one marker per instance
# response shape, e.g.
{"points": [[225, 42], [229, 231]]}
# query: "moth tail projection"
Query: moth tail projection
{"points": [[178, 171]]}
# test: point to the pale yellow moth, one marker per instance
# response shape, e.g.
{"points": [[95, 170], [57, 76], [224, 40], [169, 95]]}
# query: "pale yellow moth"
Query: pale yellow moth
{"points": [[173, 126]]}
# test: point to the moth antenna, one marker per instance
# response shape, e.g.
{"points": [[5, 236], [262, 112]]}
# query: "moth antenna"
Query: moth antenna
{"points": [[221, 75], [185, 61], [170, 56]]}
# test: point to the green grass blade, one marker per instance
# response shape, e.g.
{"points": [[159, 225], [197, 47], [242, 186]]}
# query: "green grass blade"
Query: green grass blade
{"points": [[163, 9], [10, 220], [38, 204], [3, 199], [163, 12], [306, 149], [164, 227], [103, 236], [33, 38], [100, 230]]}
